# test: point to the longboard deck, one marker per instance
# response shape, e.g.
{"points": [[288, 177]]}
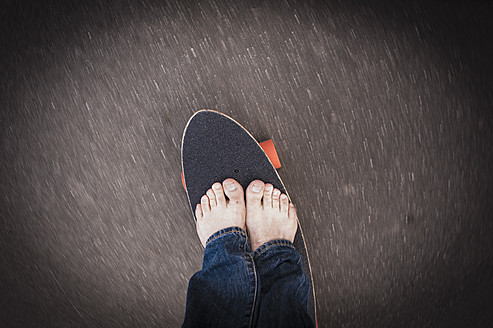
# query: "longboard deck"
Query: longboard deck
{"points": [[216, 147]]}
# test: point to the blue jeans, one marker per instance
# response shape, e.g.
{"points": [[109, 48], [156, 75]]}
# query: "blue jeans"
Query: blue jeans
{"points": [[241, 288]]}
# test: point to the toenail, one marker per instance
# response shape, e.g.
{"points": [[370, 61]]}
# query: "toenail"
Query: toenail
{"points": [[216, 186], [268, 188], [230, 185], [256, 188], [276, 192], [284, 197]]}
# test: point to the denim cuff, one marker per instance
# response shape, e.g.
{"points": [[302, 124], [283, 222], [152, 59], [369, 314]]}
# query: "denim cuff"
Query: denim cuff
{"points": [[270, 244], [225, 231]]}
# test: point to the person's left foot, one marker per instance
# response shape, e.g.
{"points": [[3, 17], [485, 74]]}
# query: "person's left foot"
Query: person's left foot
{"points": [[215, 212]]}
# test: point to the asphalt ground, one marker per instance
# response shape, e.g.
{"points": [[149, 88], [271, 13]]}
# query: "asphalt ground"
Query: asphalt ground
{"points": [[381, 114]]}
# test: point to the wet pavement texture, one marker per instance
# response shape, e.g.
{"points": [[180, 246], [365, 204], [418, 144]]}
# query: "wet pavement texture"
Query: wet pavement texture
{"points": [[381, 115]]}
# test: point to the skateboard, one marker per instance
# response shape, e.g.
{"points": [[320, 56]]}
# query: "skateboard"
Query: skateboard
{"points": [[216, 147]]}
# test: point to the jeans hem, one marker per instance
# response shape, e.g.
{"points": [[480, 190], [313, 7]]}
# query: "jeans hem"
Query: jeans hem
{"points": [[277, 242], [225, 231]]}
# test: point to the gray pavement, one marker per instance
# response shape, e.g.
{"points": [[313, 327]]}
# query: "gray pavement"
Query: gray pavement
{"points": [[381, 114]]}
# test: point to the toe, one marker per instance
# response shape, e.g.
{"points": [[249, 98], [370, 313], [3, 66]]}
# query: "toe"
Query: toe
{"points": [[219, 194], [292, 212], [275, 199], [254, 193], [284, 204], [204, 201], [234, 191], [212, 198], [198, 212], [268, 195]]}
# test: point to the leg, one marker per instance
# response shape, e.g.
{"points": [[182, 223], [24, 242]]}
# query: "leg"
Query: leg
{"points": [[284, 288], [224, 292]]}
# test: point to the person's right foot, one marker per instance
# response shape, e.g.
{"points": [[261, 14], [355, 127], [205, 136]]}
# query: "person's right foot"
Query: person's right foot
{"points": [[269, 215], [215, 212]]}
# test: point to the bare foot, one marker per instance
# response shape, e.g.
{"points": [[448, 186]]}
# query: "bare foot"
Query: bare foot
{"points": [[269, 215], [215, 212]]}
